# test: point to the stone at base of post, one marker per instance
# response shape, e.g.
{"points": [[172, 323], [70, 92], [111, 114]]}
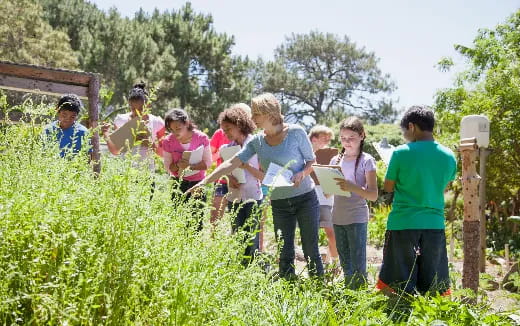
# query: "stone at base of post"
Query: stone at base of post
{"points": [[470, 274]]}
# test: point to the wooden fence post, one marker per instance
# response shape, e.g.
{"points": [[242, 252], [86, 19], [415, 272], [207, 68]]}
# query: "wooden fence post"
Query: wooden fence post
{"points": [[471, 225], [93, 116], [483, 154]]}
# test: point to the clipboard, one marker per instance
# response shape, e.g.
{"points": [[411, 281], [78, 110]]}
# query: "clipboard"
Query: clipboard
{"points": [[323, 157], [227, 152], [124, 137], [326, 175], [193, 157]]}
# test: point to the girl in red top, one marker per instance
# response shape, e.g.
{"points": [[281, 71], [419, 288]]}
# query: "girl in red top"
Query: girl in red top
{"points": [[221, 187]]}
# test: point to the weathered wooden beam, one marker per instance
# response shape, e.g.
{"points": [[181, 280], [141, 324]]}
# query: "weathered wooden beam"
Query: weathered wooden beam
{"points": [[471, 225], [42, 87], [93, 117], [483, 154], [48, 74]]}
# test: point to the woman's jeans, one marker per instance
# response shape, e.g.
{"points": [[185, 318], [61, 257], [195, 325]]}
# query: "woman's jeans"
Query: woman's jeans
{"points": [[303, 209], [247, 219], [351, 242]]}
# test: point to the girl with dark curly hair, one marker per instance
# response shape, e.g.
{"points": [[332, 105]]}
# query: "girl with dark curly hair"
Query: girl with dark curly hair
{"points": [[244, 199]]}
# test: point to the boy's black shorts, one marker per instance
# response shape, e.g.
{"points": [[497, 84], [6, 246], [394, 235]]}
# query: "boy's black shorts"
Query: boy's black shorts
{"points": [[415, 260]]}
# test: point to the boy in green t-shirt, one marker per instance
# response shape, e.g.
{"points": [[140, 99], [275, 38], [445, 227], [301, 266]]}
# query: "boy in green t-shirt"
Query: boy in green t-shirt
{"points": [[414, 254]]}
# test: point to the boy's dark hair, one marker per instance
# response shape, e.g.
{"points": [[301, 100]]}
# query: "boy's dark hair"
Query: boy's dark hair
{"points": [[420, 116], [70, 102], [238, 117], [178, 115], [138, 92]]}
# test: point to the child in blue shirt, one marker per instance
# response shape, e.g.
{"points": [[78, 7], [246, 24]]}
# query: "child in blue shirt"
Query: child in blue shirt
{"points": [[66, 130]]}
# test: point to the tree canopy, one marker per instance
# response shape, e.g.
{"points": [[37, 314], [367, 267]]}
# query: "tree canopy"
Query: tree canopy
{"points": [[177, 51], [490, 86], [28, 38], [319, 73]]}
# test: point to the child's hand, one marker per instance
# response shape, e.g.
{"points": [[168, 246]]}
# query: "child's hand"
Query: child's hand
{"points": [[345, 185], [105, 128], [233, 182], [183, 163]]}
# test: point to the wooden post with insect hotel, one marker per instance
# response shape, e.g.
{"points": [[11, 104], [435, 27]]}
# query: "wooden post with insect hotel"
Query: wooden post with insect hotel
{"points": [[474, 134]]}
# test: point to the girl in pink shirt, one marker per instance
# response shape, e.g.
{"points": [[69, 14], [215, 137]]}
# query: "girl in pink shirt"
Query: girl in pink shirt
{"points": [[184, 137]]}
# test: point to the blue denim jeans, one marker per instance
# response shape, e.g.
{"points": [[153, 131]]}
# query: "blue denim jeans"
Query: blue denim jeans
{"points": [[351, 242], [303, 209]]}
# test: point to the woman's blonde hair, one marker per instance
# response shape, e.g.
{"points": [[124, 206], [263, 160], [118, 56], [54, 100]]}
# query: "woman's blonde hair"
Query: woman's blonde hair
{"points": [[267, 104]]}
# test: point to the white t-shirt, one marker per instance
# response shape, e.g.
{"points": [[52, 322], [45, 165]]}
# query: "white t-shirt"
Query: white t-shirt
{"points": [[154, 125], [252, 188]]}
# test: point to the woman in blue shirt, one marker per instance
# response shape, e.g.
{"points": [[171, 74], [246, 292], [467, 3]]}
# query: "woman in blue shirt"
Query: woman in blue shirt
{"points": [[285, 145]]}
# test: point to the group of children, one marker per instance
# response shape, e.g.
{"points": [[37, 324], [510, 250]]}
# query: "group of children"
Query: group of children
{"points": [[414, 254]]}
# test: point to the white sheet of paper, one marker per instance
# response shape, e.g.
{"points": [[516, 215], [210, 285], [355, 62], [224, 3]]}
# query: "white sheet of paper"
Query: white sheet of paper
{"points": [[227, 152], [326, 175], [276, 176], [195, 157], [384, 149]]}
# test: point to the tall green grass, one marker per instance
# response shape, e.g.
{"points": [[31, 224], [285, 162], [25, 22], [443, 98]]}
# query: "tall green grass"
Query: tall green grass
{"points": [[77, 249]]}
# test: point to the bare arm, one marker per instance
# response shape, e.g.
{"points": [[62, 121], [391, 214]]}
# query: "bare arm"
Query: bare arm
{"points": [[157, 147], [389, 185], [369, 193], [307, 169], [111, 146], [169, 165], [254, 171], [223, 169]]}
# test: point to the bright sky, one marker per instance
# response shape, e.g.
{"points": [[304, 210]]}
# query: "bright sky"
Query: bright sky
{"points": [[409, 36]]}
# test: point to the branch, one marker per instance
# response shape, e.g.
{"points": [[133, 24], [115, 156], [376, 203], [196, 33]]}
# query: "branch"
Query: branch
{"points": [[301, 99]]}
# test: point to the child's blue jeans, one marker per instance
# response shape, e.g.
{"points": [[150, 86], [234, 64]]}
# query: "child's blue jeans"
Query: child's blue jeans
{"points": [[351, 242]]}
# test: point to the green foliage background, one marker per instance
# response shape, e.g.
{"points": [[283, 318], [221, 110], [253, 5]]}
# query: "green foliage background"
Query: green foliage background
{"points": [[80, 249], [491, 86]]}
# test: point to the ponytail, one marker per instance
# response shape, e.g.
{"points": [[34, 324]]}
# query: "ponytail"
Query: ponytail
{"points": [[340, 156], [355, 124], [358, 157]]}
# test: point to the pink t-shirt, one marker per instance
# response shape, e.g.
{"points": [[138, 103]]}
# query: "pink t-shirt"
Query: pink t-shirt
{"points": [[174, 147], [218, 139]]}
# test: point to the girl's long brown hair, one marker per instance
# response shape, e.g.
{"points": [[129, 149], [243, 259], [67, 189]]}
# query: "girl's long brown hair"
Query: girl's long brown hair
{"points": [[356, 125]]}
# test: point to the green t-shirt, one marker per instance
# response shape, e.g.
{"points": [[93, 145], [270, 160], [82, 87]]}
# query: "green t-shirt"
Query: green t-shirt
{"points": [[421, 171]]}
